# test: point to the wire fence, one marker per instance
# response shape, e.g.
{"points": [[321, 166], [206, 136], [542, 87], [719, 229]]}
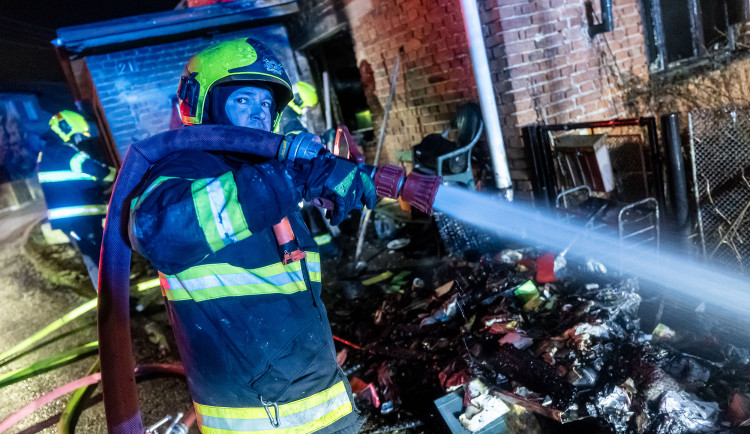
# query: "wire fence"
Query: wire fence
{"points": [[720, 158]]}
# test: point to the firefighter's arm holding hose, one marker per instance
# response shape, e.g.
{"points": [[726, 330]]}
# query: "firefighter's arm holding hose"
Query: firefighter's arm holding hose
{"points": [[189, 210]]}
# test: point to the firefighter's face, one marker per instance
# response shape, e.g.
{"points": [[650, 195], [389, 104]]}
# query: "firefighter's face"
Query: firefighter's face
{"points": [[250, 107]]}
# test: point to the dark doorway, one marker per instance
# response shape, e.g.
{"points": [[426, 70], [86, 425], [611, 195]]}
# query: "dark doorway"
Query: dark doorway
{"points": [[335, 55]]}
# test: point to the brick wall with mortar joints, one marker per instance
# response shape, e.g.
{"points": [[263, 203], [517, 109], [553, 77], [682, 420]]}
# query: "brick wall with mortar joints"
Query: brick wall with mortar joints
{"points": [[545, 67], [136, 86], [557, 72], [435, 75]]}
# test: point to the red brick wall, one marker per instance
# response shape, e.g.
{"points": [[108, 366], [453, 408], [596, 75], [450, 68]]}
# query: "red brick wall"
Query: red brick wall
{"points": [[545, 67], [555, 71], [435, 75]]}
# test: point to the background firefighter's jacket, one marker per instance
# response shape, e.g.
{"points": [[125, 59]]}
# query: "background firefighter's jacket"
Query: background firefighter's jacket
{"points": [[72, 183], [253, 333]]}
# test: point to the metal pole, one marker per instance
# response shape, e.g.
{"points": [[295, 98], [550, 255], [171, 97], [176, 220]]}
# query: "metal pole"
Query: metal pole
{"points": [[365, 220], [327, 100], [486, 96], [391, 92], [696, 187]]}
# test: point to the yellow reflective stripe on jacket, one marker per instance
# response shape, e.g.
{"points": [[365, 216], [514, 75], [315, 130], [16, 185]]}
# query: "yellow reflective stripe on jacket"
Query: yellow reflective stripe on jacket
{"points": [[64, 175], [211, 281], [323, 239], [299, 417], [76, 163], [313, 260], [75, 211], [219, 211], [313, 266]]}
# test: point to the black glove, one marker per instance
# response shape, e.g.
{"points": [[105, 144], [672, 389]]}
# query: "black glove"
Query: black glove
{"points": [[338, 180]]}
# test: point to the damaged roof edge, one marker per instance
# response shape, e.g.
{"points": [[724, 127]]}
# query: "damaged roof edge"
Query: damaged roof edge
{"points": [[80, 39]]}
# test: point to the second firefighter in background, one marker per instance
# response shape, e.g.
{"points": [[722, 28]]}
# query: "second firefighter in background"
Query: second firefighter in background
{"points": [[73, 184]]}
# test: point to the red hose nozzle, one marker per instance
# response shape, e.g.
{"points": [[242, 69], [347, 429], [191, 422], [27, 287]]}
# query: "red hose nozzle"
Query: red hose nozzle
{"points": [[388, 179], [420, 190]]}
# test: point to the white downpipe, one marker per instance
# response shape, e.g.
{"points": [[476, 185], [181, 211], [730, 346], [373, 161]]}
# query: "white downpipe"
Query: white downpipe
{"points": [[486, 96]]}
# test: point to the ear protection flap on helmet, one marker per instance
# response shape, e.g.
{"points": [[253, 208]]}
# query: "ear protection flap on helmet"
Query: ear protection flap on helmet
{"points": [[188, 91]]}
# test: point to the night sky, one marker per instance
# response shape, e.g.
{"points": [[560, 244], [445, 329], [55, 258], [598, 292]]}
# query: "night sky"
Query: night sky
{"points": [[62, 13], [27, 28]]}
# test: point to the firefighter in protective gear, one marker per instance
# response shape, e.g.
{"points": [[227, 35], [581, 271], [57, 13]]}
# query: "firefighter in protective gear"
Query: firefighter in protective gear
{"points": [[293, 116], [251, 328], [73, 184]]}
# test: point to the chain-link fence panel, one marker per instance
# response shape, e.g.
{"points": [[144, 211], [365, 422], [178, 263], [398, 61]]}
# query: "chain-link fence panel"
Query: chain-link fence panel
{"points": [[720, 158]]}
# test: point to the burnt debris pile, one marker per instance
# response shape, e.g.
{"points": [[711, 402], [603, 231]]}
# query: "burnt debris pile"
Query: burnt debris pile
{"points": [[573, 350]]}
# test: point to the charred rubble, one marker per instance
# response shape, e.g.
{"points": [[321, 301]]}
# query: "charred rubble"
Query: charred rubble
{"points": [[569, 349]]}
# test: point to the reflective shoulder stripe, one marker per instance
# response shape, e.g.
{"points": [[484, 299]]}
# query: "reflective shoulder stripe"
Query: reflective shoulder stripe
{"points": [[64, 175], [75, 211], [306, 415], [219, 211], [76, 163], [205, 213], [208, 282], [233, 207]]}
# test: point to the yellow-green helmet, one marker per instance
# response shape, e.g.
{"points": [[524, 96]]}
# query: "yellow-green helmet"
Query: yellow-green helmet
{"points": [[304, 96], [237, 61], [66, 123]]}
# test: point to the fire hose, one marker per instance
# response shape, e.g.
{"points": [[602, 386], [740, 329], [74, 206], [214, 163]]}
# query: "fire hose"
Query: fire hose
{"points": [[79, 383], [117, 363]]}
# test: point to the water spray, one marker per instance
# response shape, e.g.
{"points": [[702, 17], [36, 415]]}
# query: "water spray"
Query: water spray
{"points": [[672, 271]]}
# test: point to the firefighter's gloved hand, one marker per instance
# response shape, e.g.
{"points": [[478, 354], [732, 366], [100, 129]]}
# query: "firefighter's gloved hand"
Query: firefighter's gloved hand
{"points": [[337, 180]]}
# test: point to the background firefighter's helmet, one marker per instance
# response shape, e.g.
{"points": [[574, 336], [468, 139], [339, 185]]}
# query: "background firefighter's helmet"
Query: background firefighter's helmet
{"points": [[239, 61], [67, 123], [304, 96]]}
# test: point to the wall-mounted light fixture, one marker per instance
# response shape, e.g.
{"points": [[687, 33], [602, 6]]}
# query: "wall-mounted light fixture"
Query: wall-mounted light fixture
{"points": [[606, 24]]}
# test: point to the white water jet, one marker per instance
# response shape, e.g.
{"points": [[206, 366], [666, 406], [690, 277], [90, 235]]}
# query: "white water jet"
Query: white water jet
{"points": [[673, 271]]}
